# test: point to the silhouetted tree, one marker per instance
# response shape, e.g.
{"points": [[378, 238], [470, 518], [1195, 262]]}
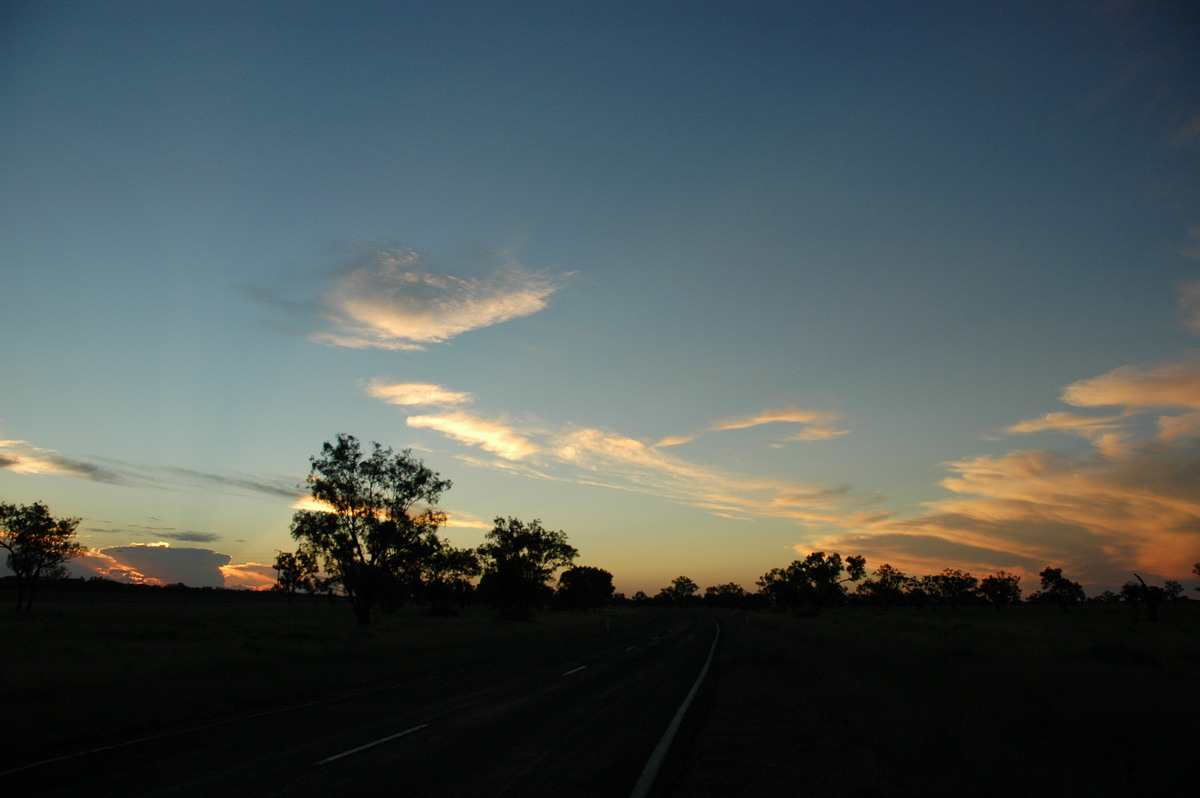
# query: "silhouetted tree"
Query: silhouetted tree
{"points": [[727, 596], [816, 581], [38, 544], [1057, 589], [679, 592], [295, 571], [519, 559], [446, 573], [1173, 590], [584, 587], [1001, 588], [368, 533], [887, 586], [955, 587], [640, 599]]}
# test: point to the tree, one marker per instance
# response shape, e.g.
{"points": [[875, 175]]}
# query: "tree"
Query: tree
{"points": [[679, 592], [370, 537], [954, 587], [1001, 588], [815, 582], [1057, 589], [295, 571], [38, 544], [887, 587], [446, 574], [519, 559], [1173, 590], [727, 596], [584, 587]]}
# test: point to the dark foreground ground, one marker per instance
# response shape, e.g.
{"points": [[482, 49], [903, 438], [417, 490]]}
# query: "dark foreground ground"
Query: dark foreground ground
{"points": [[979, 702]]}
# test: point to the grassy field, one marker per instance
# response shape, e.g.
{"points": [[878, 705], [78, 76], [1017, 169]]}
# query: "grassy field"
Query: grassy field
{"points": [[977, 702], [95, 666], [854, 702]]}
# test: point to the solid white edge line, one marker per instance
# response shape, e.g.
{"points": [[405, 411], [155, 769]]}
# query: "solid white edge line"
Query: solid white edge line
{"points": [[575, 670], [654, 763], [380, 741]]}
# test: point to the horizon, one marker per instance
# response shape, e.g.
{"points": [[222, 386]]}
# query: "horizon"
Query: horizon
{"points": [[707, 288]]}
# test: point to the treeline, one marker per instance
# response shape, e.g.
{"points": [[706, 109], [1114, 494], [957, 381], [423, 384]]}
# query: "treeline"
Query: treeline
{"points": [[821, 581]]}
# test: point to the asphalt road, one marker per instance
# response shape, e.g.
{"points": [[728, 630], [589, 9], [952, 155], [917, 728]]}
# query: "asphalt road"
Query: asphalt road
{"points": [[578, 722]]}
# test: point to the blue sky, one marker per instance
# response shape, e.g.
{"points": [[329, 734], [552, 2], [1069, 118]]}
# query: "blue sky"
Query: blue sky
{"points": [[706, 285]]}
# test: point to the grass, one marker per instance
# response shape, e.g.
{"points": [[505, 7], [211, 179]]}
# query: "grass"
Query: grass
{"points": [[850, 703], [88, 667], [985, 701]]}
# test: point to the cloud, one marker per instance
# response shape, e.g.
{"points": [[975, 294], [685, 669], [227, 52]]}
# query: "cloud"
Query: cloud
{"points": [[159, 563], [590, 456], [390, 299], [249, 576], [1129, 504], [817, 424], [23, 457], [416, 393], [493, 436]]}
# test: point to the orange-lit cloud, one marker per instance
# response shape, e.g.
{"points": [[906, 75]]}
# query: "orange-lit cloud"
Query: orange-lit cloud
{"points": [[1131, 504], [390, 299], [249, 576], [23, 457]]}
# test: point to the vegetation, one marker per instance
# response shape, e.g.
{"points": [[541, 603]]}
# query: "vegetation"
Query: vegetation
{"points": [[371, 539], [519, 559], [37, 544]]}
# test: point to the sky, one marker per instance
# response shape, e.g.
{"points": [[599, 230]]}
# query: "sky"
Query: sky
{"points": [[707, 286]]}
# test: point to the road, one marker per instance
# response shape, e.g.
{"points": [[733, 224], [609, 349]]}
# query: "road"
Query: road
{"points": [[581, 721]]}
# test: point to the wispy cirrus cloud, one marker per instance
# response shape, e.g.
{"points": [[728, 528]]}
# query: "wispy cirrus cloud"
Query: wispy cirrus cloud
{"points": [[23, 457], [408, 394], [814, 424], [591, 456], [391, 298]]}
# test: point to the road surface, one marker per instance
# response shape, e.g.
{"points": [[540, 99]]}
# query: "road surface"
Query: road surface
{"points": [[581, 721]]}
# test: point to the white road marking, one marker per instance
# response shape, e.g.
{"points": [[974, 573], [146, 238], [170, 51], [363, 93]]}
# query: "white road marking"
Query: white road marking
{"points": [[654, 764], [575, 670], [380, 741]]}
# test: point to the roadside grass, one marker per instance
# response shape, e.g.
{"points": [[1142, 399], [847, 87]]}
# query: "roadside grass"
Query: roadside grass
{"points": [[977, 701], [93, 667]]}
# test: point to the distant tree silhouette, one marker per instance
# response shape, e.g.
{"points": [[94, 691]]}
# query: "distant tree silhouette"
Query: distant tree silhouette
{"points": [[1057, 589], [1173, 590], [815, 582], [1001, 588], [887, 586], [37, 544], [955, 587], [584, 588], [445, 575], [727, 596], [295, 571], [518, 560], [679, 593], [1196, 571], [371, 537], [640, 598]]}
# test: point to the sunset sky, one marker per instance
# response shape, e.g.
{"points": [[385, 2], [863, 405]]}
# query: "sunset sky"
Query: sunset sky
{"points": [[706, 285]]}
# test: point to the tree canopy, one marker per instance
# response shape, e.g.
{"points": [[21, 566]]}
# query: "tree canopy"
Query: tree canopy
{"points": [[519, 558], [372, 535], [38, 544]]}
